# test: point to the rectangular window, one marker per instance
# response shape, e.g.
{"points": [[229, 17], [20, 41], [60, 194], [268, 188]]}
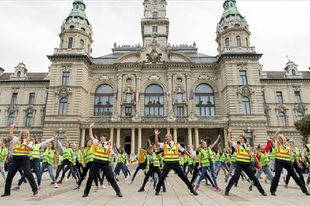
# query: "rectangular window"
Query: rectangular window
{"points": [[128, 111], [14, 98], [263, 97], [180, 111], [65, 78], [155, 29], [180, 98], [279, 97], [297, 97], [31, 98], [128, 98], [243, 77]]}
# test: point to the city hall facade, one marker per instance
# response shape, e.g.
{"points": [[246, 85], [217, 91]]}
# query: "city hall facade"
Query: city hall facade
{"points": [[136, 89]]}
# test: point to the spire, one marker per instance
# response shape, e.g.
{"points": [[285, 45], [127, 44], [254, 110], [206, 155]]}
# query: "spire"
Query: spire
{"points": [[78, 11], [230, 10]]}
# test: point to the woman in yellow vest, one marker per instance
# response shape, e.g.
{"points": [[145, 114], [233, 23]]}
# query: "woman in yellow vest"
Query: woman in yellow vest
{"points": [[22, 147], [171, 153], [102, 155], [283, 160], [305, 157], [152, 166], [244, 154], [49, 162], [141, 158], [3, 157]]}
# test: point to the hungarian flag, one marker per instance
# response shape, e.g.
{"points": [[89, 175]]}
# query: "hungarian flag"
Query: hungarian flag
{"points": [[136, 97]]}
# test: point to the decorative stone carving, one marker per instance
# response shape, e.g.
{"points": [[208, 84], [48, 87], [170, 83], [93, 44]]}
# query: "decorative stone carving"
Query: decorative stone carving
{"points": [[171, 116], [154, 77], [281, 108], [154, 56], [12, 109], [104, 77], [29, 109], [192, 116], [245, 91], [136, 117], [63, 92], [203, 76], [66, 66], [115, 117], [300, 108]]}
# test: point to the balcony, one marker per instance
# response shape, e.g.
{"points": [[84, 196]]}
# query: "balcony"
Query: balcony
{"points": [[69, 51]]}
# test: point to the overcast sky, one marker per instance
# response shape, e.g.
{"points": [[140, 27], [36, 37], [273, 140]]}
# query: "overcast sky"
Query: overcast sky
{"points": [[29, 29]]}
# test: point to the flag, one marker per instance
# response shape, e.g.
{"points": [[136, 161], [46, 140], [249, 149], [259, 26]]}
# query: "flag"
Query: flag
{"points": [[168, 96], [136, 96], [191, 94], [116, 95]]}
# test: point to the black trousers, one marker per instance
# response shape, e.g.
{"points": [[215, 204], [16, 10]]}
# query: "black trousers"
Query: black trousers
{"points": [[178, 170], [24, 163], [69, 164], [289, 167], [149, 173], [299, 172], [195, 173], [85, 170], [249, 171], [105, 167]]}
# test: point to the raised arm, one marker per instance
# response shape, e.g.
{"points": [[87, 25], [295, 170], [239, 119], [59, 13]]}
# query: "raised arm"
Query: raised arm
{"points": [[156, 137], [11, 133], [45, 142], [229, 136], [91, 136], [276, 134], [220, 149], [216, 141]]}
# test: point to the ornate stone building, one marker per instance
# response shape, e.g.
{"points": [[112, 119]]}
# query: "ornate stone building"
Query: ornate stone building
{"points": [[155, 85]]}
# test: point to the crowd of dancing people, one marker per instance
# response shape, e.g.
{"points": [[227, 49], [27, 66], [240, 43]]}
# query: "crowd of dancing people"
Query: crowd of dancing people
{"points": [[275, 161]]}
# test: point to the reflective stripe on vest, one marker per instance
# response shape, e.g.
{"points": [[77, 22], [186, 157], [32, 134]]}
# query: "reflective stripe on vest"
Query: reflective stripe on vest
{"points": [[243, 154], [67, 155], [2, 153], [171, 154], [263, 159], [283, 153], [88, 154], [20, 149], [217, 157], [48, 157], [205, 160], [102, 153], [35, 153]]}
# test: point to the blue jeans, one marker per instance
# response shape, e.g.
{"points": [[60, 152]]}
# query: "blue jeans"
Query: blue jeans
{"points": [[203, 171], [35, 164], [220, 164], [118, 167], [140, 166], [267, 171], [50, 170]]}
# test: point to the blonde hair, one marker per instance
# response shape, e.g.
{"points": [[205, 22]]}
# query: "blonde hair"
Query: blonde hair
{"points": [[25, 130], [283, 139]]}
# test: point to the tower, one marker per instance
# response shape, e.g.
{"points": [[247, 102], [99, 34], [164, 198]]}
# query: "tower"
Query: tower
{"points": [[76, 32], [155, 24], [232, 31]]}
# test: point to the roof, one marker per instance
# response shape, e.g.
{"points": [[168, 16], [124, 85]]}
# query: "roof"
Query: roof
{"points": [[31, 76], [281, 75]]}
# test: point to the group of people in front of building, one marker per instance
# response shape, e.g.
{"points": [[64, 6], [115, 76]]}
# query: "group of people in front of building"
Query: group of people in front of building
{"points": [[98, 155]]}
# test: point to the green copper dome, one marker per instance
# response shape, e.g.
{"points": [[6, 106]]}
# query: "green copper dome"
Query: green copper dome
{"points": [[230, 10], [78, 11]]}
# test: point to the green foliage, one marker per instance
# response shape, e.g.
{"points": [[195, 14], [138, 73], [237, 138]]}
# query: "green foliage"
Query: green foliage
{"points": [[303, 126]]}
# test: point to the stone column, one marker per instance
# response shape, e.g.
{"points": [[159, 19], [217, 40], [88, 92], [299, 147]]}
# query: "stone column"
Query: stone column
{"points": [[112, 135], [225, 135], [133, 142], [168, 131], [175, 134], [82, 142], [196, 137], [190, 138], [118, 137], [139, 138]]}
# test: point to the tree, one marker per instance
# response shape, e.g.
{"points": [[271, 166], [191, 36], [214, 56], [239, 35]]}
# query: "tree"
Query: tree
{"points": [[303, 126]]}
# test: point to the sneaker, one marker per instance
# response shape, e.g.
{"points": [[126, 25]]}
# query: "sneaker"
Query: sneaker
{"points": [[76, 188], [217, 188], [197, 187], [141, 190], [103, 186], [16, 188], [119, 194], [264, 194], [39, 187], [66, 180], [286, 186], [5, 194], [96, 189], [156, 193], [59, 182], [127, 178], [85, 195], [56, 185], [250, 188], [35, 192], [226, 193], [279, 183], [194, 192], [130, 182], [164, 190], [273, 194]]}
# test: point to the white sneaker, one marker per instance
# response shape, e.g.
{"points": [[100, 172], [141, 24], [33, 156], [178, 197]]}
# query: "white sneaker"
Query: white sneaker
{"points": [[127, 178], [130, 182], [96, 189], [66, 180], [103, 187], [56, 185]]}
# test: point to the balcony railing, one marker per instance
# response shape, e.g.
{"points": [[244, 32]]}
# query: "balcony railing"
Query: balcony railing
{"points": [[76, 51]]}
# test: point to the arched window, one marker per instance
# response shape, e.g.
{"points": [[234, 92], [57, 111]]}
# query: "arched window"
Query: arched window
{"points": [[154, 101], [282, 119], [103, 101], [238, 38], [204, 97], [246, 107], [300, 115], [11, 119], [155, 14], [18, 74], [63, 106], [81, 43], [28, 120], [293, 72], [70, 43], [227, 42]]}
